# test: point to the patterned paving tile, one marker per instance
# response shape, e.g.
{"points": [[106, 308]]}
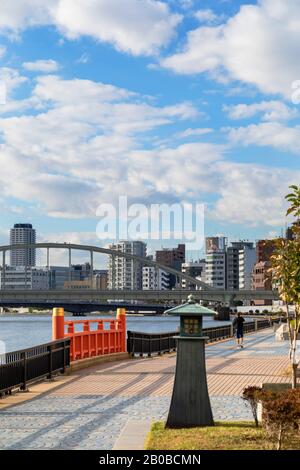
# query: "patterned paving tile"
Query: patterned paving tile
{"points": [[90, 411]]}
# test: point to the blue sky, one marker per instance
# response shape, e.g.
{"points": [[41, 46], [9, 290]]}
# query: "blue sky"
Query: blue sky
{"points": [[178, 101]]}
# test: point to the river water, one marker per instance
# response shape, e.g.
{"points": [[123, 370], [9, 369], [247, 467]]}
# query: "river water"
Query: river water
{"points": [[24, 331]]}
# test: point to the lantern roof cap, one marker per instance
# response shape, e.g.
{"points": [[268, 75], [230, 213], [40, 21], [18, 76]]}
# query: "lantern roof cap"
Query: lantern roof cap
{"points": [[190, 308]]}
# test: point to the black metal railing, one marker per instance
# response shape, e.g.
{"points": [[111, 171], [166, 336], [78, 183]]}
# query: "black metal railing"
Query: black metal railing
{"points": [[249, 327], [151, 343], [217, 333], [20, 368], [148, 343], [261, 324]]}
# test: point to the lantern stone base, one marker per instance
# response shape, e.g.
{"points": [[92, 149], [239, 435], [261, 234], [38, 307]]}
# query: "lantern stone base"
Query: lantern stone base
{"points": [[190, 405]]}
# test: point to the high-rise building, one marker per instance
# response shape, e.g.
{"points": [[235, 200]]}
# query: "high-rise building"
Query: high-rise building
{"points": [[22, 234], [261, 277], [194, 269], [247, 259], [124, 273], [264, 250], [155, 279], [241, 257], [215, 266], [229, 267], [172, 258]]}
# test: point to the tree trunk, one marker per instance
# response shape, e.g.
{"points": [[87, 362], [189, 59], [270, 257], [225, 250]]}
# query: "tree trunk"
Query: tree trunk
{"points": [[294, 360], [294, 376], [279, 442]]}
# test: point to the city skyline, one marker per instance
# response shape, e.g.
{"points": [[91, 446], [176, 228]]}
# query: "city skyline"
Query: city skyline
{"points": [[236, 266], [92, 113], [160, 246]]}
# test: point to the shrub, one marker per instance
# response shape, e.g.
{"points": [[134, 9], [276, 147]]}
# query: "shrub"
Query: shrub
{"points": [[281, 414], [252, 396]]}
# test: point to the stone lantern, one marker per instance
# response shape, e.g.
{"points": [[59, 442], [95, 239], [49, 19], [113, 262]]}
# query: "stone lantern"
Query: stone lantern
{"points": [[190, 405]]}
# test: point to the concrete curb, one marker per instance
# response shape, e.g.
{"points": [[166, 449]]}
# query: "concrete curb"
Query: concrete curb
{"points": [[133, 435]]}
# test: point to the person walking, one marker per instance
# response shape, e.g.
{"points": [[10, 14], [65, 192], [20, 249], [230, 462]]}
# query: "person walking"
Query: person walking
{"points": [[238, 325]]}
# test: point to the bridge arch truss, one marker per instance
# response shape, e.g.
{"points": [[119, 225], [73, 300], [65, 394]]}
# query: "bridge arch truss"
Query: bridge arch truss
{"points": [[105, 251]]}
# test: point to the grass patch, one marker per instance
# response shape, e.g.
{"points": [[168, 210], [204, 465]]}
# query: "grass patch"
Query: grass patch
{"points": [[222, 436]]}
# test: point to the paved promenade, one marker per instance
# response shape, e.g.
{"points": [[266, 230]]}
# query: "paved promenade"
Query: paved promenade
{"points": [[90, 410]]}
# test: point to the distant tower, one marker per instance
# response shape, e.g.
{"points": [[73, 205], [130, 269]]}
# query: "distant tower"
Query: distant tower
{"points": [[22, 234]]}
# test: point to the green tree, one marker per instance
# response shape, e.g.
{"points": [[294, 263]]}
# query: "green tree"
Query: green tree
{"points": [[286, 274]]}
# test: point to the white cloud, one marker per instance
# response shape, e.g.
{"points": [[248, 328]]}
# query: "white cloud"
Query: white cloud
{"points": [[206, 16], [260, 193], [11, 79], [257, 46], [202, 53], [193, 132], [60, 257], [269, 111], [268, 134], [84, 144], [20, 14], [81, 147], [186, 4], [45, 66], [122, 23]]}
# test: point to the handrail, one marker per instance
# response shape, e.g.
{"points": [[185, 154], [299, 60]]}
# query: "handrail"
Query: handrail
{"points": [[139, 343], [19, 368], [99, 341]]}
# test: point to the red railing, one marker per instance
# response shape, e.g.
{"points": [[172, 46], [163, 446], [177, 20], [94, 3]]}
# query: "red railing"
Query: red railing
{"points": [[96, 337]]}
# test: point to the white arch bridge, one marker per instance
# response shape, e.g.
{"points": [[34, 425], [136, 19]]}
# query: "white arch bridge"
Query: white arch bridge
{"points": [[92, 299]]}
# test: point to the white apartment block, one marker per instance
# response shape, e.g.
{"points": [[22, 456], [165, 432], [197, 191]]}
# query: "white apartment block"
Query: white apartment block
{"points": [[247, 260], [215, 269], [215, 266], [126, 274], [155, 279]]}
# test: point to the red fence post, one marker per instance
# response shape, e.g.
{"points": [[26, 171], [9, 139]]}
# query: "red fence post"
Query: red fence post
{"points": [[121, 318], [58, 323]]}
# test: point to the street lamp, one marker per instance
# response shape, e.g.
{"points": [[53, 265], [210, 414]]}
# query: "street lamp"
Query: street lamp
{"points": [[190, 404]]}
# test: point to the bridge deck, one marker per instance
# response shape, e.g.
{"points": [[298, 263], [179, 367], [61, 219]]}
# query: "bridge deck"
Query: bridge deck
{"points": [[90, 410]]}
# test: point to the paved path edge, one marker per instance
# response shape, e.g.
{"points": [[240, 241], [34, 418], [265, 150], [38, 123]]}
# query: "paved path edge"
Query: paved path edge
{"points": [[133, 435]]}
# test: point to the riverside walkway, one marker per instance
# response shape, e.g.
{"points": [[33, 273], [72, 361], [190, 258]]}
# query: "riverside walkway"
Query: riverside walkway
{"points": [[90, 409]]}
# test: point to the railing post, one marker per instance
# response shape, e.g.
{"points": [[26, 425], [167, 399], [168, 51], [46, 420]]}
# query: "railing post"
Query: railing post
{"points": [[128, 342], [256, 324], [231, 330], [58, 324], [24, 386], [121, 318], [49, 377], [64, 357]]}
